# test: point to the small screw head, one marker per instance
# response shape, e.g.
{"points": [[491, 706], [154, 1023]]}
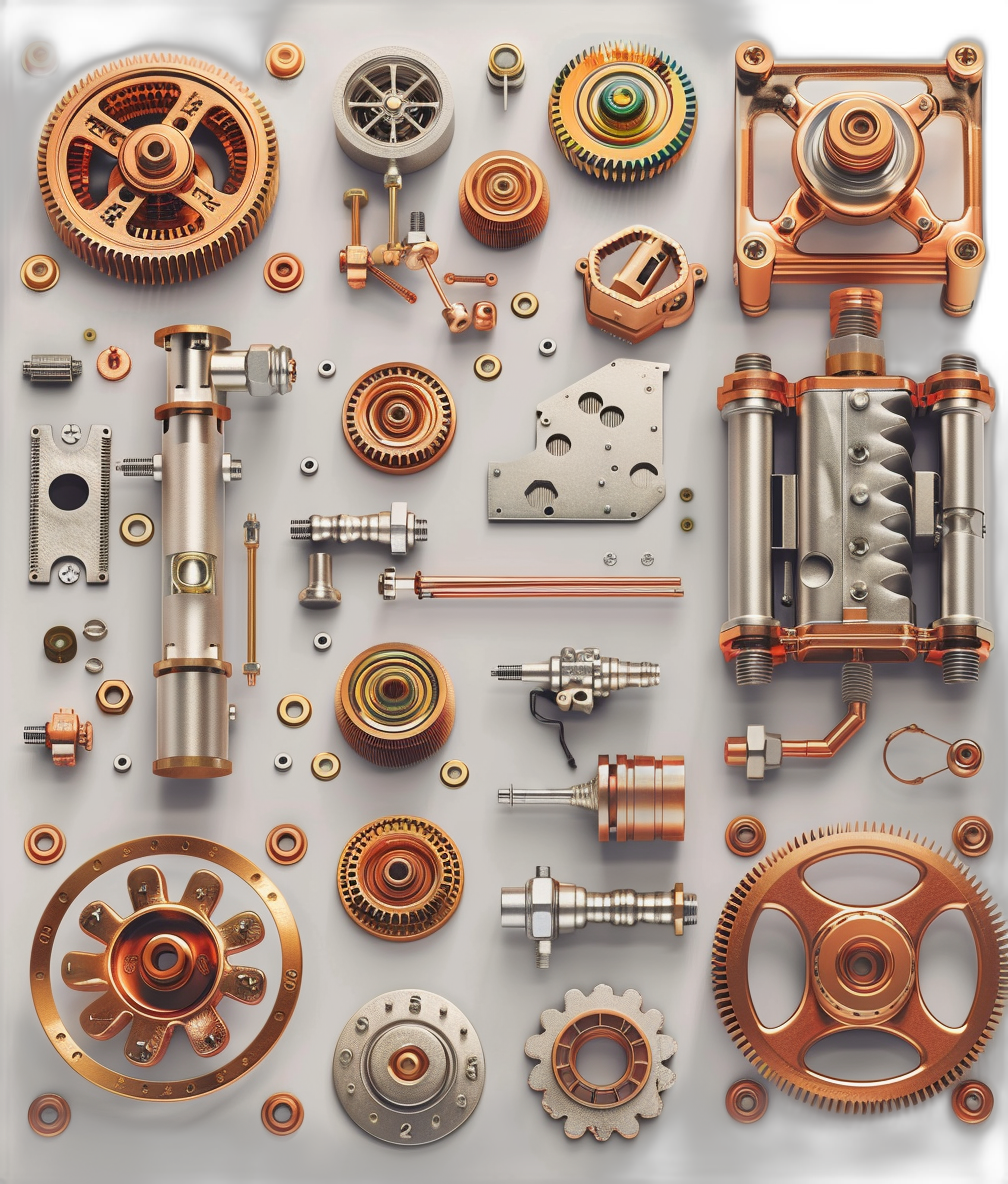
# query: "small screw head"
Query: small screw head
{"points": [[967, 249], [787, 223], [362, 1025], [754, 55], [966, 55], [647, 559], [686, 494], [858, 400], [789, 102], [609, 558], [71, 433], [686, 525], [859, 494], [754, 249], [122, 763], [859, 590], [923, 104], [69, 573], [924, 223], [601, 483], [858, 547], [322, 641], [496, 472]]}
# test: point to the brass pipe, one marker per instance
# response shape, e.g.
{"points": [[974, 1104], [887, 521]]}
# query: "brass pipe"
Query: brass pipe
{"points": [[851, 723]]}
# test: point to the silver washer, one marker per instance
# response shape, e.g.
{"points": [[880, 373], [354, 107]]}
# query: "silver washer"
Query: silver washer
{"points": [[309, 466], [283, 761], [326, 368], [95, 629], [122, 763], [547, 347], [322, 641]]}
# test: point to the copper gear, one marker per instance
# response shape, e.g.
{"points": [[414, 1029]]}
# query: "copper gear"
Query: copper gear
{"points": [[399, 418], [400, 878], [395, 704], [503, 199], [162, 217], [622, 113], [840, 993]]}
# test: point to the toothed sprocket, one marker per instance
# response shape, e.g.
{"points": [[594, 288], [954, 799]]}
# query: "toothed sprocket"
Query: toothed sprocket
{"points": [[861, 965], [399, 418]]}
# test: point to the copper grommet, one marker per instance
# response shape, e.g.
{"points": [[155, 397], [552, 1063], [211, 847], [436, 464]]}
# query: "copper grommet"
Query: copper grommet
{"points": [[113, 363], [283, 272], [38, 854], [325, 766], [40, 273], [112, 706], [285, 60], [965, 758], [49, 1102], [282, 1126], [295, 720], [971, 1091], [454, 773], [746, 1101], [973, 835], [745, 835], [286, 855], [145, 534]]}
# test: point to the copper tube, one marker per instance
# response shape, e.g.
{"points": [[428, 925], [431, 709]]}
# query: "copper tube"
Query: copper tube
{"points": [[465, 587], [404, 292], [251, 531], [852, 722]]}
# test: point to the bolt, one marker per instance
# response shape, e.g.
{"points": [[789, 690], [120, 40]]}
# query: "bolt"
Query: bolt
{"points": [[69, 573], [496, 472], [789, 102], [859, 590], [753, 249], [686, 494], [966, 55], [609, 558], [858, 400], [647, 559], [967, 249], [607, 509], [858, 547], [787, 223], [71, 433]]}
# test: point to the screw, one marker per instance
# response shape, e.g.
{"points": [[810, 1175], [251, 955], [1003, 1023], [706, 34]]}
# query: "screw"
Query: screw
{"points": [[966, 56], [754, 55], [787, 223], [859, 400], [858, 453], [924, 223], [859, 494], [71, 433], [789, 102], [967, 249], [609, 558], [753, 249], [647, 559], [601, 482], [345, 1056], [496, 472], [686, 525], [69, 573], [686, 494], [923, 104], [858, 547], [859, 590]]}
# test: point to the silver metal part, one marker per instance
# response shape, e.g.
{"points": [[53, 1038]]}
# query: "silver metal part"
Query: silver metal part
{"points": [[577, 677], [545, 908], [601, 1113], [764, 750], [69, 504], [122, 763], [309, 466], [94, 665], [282, 761], [326, 368], [408, 1067], [396, 527], [322, 641], [926, 497], [71, 433], [69, 573], [547, 347], [319, 592], [598, 451], [53, 368], [95, 629]]}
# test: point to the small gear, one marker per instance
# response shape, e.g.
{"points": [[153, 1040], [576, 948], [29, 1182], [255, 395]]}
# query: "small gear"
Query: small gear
{"points": [[614, 1107], [399, 418]]}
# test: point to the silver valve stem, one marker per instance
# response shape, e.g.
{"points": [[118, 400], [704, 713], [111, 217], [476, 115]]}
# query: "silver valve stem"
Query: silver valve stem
{"points": [[546, 908], [576, 677], [398, 527], [584, 795]]}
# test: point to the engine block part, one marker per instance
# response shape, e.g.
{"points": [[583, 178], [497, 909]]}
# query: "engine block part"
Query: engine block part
{"points": [[613, 1107], [62, 735], [52, 368], [191, 676], [504, 200], [576, 678], [409, 1067], [68, 509], [398, 528], [598, 451], [858, 158], [545, 908], [399, 418]]}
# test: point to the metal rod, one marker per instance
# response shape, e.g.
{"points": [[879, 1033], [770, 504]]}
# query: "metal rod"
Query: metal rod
{"points": [[405, 293], [251, 668]]}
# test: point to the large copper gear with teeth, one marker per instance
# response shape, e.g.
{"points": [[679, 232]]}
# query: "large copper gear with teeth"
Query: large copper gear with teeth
{"points": [[622, 113], [125, 167], [400, 878], [861, 965], [399, 418]]}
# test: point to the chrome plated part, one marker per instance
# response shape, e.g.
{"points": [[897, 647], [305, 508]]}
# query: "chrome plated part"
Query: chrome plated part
{"points": [[577, 677], [398, 528], [319, 592]]}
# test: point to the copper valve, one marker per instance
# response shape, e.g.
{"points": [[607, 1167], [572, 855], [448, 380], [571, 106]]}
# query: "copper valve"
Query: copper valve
{"points": [[545, 908], [397, 527], [469, 587], [62, 735], [637, 799], [577, 677]]}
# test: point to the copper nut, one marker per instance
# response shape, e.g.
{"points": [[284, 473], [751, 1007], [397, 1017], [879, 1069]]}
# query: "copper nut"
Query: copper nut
{"points": [[106, 701]]}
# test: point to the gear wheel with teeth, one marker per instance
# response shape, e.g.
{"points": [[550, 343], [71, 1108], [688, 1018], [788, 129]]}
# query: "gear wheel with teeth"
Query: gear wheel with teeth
{"points": [[861, 966], [399, 418], [126, 161], [616, 1106]]}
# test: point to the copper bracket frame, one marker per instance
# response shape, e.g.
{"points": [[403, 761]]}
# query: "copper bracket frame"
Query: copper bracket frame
{"points": [[948, 252]]}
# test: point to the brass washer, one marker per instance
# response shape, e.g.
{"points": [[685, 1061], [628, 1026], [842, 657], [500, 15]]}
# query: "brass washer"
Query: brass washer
{"points": [[285, 60], [136, 540], [318, 766], [294, 721], [282, 1126], [967, 1090], [44, 855], [525, 305], [40, 273], [461, 773], [741, 1092], [286, 855], [49, 1102], [283, 272], [90, 335], [973, 835], [488, 367]]}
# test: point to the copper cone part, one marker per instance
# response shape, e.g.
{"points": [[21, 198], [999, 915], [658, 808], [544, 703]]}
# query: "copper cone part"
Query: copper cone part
{"points": [[159, 215], [504, 199], [399, 417], [400, 878], [861, 969], [395, 704]]}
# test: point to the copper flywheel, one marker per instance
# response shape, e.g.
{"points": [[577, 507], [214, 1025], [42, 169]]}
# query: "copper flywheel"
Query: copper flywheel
{"points": [[399, 418], [395, 704], [861, 967], [504, 199], [400, 878], [158, 168]]}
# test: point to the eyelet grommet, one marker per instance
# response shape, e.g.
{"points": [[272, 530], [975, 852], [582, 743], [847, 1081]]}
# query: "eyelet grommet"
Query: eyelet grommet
{"points": [[49, 1102], [325, 766], [122, 763], [525, 305], [488, 367], [547, 347], [42, 855], [322, 641], [282, 1126], [283, 272], [745, 835], [294, 719], [285, 60], [40, 273], [454, 773], [972, 1091], [285, 855], [973, 835], [309, 466], [136, 539], [746, 1101], [283, 761]]}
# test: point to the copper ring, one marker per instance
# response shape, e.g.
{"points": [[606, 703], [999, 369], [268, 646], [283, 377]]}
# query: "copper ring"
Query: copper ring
{"points": [[285, 855], [454, 773], [400, 878], [284, 713], [136, 540], [40, 273], [965, 758], [746, 1101], [113, 363], [602, 1025], [504, 199], [283, 272], [49, 1102], [973, 835], [285, 60], [488, 367], [525, 305], [282, 1126], [970, 1091], [44, 855], [745, 835], [90, 335], [399, 418], [114, 706], [325, 766]]}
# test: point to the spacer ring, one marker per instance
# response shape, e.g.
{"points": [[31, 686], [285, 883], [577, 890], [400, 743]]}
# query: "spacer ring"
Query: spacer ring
{"points": [[40, 273], [285, 855], [741, 1092], [136, 540], [966, 1091], [49, 1102], [325, 766], [43, 855], [283, 272], [294, 721], [745, 835]]}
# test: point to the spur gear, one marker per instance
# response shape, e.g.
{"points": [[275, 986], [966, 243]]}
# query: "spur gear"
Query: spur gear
{"points": [[399, 418], [124, 165], [861, 966], [616, 1106], [622, 113]]}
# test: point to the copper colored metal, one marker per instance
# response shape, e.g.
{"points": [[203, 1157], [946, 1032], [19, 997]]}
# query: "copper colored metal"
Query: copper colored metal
{"points": [[484, 315], [250, 535], [60, 644], [963, 759], [145, 534], [745, 835], [285, 60], [736, 750], [163, 218], [503, 200], [40, 273], [468, 587], [282, 1126], [490, 279], [39, 854], [325, 766], [62, 735], [105, 697], [275, 840], [399, 418], [294, 719], [972, 1101], [857, 158], [113, 363], [283, 272], [400, 878], [746, 1101], [973, 836], [58, 1124], [861, 969]]}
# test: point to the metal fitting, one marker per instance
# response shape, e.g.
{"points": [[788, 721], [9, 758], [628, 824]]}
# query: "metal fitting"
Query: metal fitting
{"points": [[398, 527], [62, 735], [577, 677], [320, 592], [54, 368]]}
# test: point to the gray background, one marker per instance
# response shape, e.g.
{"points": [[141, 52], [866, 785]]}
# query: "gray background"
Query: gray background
{"points": [[487, 972]]}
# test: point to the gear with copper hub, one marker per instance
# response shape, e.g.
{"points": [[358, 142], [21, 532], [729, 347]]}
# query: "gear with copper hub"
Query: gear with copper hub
{"points": [[124, 165], [399, 418], [861, 967], [400, 878], [622, 113], [504, 199]]}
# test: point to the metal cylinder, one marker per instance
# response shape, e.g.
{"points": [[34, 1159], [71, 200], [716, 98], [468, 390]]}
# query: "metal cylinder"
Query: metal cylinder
{"points": [[962, 512], [512, 907]]}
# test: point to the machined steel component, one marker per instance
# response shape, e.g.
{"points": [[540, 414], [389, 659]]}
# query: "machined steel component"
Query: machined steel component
{"points": [[632, 305], [62, 735], [319, 592], [250, 535], [506, 68], [545, 908], [164, 217], [136, 537], [52, 368], [598, 451], [399, 418], [397, 527], [139, 981], [193, 468], [612, 1107], [408, 1067], [622, 113], [547, 347], [68, 509], [858, 158], [482, 587], [636, 798], [504, 200], [577, 677], [861, 968]]}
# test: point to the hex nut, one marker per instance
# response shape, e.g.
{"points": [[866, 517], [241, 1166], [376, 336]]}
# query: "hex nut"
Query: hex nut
{"points": [[112, 706], [764, 750]]}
